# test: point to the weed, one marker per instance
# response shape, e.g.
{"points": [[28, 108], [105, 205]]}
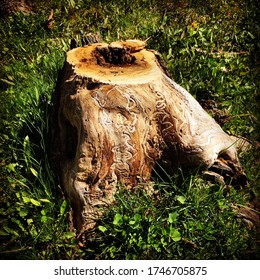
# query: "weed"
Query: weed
{"points": [[192, 221]]}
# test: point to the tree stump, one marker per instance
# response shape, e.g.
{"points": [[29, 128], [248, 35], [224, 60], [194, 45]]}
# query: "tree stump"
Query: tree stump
{"points": [[117, 113]]}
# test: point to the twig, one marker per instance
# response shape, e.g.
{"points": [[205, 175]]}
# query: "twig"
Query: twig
{"points": [[16, 250], [219, 53], [249, 208]]}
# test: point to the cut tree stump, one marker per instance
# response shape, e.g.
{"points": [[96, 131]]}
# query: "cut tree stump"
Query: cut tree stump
{"points": [[117, 113]]}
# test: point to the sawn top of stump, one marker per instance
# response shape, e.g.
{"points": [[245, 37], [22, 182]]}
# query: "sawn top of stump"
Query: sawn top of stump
{"points": [[124, 62]]}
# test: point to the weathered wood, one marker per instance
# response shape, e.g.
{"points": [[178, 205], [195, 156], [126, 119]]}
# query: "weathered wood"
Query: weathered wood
{"points": [[118, 113]]}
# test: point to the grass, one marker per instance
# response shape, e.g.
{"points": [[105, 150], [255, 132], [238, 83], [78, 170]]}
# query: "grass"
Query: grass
{"points": [[210, 49], [192, 222]]}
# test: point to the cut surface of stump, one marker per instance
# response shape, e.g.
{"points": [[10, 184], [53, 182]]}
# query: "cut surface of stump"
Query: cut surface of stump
{"points": [[117, 114]]}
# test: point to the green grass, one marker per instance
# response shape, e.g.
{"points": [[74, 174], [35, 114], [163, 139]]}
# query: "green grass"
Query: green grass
{"points": [[210, 49], [192, 222]]}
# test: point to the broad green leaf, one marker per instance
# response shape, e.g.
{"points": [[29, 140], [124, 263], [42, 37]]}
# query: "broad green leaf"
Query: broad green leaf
{"points": [[173, 217], [181, 199], [63, 207], [10, 167], [26, 199], [44, 219], [69, 235], [44, 200], [137, 217], [35, 202], [175, 234], [118, 219], [102, 228], [18, 195], [34, 172], [23, 213], [29, 221], [164, 231]]}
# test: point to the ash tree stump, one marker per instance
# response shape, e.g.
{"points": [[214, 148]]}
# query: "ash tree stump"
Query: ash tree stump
{"points": [[117, 113]]}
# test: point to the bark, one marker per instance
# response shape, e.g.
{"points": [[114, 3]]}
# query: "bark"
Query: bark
{"points": [[117, 113], [8, 7]]}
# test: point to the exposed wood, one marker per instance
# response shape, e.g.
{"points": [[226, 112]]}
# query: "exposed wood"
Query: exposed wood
{"points": [[50, 21], [118, 113]]}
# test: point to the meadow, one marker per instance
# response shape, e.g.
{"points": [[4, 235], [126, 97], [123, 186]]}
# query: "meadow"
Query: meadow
{"points": [[211, 48]]}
